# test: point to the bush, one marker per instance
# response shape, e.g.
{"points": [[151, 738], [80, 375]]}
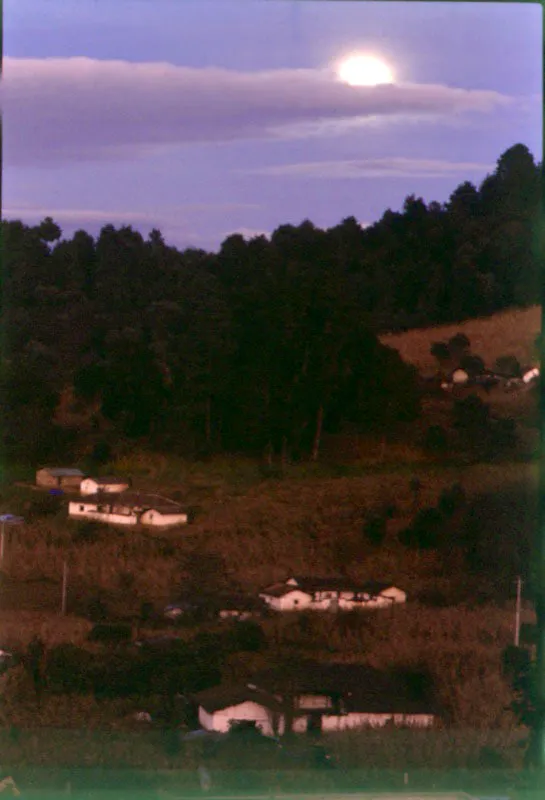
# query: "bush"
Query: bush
{"points": [[458, 345], [87, 531], [97, 610], [374, 530], [69, 669], [424, 531], [435, 439], [508, 366], [451, 500], [441, 352], [45, 506], [111, 633]]}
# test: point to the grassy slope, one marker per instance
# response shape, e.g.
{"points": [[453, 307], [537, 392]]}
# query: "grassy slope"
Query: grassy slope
{"points": [[510, 332]]}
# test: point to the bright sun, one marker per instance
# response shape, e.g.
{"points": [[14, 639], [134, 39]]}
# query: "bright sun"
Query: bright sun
{"points": [[359, 70]]}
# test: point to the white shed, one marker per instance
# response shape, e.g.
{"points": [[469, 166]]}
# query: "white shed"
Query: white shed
{"points": [[330, 594], [129, 508], [222, 706], [107, 485]]}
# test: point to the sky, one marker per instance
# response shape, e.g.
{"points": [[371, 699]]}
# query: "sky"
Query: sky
{"points": [[208, 117]]}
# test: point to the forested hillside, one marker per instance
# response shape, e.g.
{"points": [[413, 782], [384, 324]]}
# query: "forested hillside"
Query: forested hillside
{"points": [[262, 346]]}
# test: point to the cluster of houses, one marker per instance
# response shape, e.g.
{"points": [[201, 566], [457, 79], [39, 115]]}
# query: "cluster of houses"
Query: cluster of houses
{"points": [[110, 500], [301, 593], [317, 698]]}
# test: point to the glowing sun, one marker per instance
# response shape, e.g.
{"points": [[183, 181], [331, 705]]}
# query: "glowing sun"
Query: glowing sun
{"points": [[359, 70]]}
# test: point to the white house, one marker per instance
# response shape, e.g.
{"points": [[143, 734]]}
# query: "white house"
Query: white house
{"points": [[129, 508], [222, 706], [107, 485], [337, 697], [330, 594]]}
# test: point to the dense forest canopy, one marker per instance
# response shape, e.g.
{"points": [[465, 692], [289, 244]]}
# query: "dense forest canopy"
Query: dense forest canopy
{"points": [[262, 345]]}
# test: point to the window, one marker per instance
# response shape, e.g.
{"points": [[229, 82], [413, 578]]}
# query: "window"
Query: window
{"points": [[82, 508]]}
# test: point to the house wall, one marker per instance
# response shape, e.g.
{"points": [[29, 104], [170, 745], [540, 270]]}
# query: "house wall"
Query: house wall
{"points": [[293, 601], [90, 486], [249, 711], [313, 701], [43, 478], [155, 518], [89, 511], [70, 481], [355, 720]]}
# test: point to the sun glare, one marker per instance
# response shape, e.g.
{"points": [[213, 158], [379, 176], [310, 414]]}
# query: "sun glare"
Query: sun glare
{"points": [[360, 70]]}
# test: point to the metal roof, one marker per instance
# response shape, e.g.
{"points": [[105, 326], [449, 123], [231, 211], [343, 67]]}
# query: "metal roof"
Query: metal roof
{"points": [[63, 472]]}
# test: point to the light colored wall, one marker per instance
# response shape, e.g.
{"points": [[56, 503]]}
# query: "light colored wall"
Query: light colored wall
{"points": [[154, 518], [90, 512], [249, 711], [362, 720], [90, 486]]}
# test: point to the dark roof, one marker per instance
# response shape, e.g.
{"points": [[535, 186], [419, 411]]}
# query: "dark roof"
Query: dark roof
{"points": [[62, 472], [309, 585], [225, 696], [361, 688], [281, 589]]}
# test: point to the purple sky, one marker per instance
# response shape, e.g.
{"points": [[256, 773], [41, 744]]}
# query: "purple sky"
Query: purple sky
{"points": [[206, 117]]}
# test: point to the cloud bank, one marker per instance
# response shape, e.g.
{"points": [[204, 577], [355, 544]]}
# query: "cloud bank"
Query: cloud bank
{"points": [[377, 168], [59, 110]]}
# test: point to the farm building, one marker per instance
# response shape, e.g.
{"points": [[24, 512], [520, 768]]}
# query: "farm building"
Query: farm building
{"points": [[59, 478], [321, 698], [330, 594], [222, 706], [108, 485], [129, 508]]}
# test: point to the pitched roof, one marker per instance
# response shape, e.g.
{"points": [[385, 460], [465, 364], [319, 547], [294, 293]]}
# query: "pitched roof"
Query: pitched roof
{"points": [[63, 472], [309, 585], [281, 590], [361, 688], [226, 696]]}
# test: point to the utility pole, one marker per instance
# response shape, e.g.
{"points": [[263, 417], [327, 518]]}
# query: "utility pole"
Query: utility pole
{"points": [[517, 611], [64, 586]]}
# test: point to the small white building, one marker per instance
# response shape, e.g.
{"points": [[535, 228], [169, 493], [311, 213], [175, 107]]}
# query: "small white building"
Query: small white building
{"points": [[129, 508], [222, 706], [107, 485], [330, 594]]}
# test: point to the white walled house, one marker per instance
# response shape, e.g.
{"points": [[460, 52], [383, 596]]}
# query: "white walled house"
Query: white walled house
{"points": [[107, 485], [330, 594], [336, 697], [129, 508], [222, 706]]}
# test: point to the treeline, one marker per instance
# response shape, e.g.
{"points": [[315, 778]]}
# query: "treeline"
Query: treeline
{"points": [[262, 346]]}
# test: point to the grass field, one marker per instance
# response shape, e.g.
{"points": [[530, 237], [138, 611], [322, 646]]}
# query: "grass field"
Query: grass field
{"points": [[510, 332]]}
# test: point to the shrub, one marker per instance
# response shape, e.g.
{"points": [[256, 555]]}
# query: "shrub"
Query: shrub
{"points": [[45, 506], [110, 633], [87, 531], [441, 352], [423, 533], [473, 365], [97, 610], [435, 439], [69, 669], [509, 366], [458, 345], [374, 530], [451, 500]]}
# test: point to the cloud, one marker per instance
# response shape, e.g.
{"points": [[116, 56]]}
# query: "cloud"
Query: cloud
{"points": [[377, 168], [59, 110]]}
